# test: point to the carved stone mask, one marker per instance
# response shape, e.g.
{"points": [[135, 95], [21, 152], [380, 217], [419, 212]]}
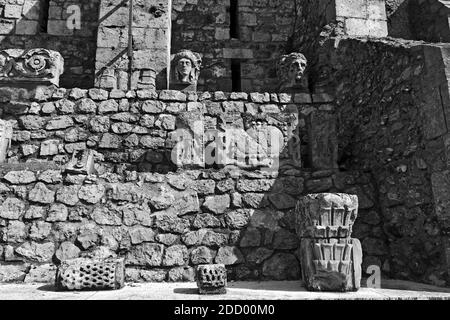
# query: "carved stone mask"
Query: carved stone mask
{"points": [[291, 69], [184, 69]]}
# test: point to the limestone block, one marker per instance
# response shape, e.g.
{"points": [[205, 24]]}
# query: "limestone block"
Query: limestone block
{"points": [[326, 215], [212, 279], [91, 274], [331, 265], [30, 66]]}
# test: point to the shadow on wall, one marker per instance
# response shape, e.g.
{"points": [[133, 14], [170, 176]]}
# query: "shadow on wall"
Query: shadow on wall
{"points": [[69, 27]]}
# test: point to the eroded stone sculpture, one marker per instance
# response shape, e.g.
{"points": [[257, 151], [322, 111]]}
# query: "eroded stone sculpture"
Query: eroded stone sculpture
{"points": [[90, 274], [212, 279], [330, 259], [6, 132], [30, 66], [82, 162], [291, 73], [185, 70]]}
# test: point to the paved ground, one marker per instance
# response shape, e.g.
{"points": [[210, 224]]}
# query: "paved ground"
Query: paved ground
{"points": [[285, 290]]}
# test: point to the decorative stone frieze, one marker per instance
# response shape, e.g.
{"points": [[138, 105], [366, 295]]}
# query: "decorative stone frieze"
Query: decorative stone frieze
{"points": [[35, 66]]}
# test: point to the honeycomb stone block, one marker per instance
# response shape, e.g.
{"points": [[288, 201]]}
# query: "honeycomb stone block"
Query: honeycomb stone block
{"points": [[326, 215], [212, 279], [90, 274], [331, 265]]}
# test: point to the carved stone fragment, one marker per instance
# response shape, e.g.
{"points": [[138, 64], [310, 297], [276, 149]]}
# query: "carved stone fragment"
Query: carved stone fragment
{"points": [[30, 66], [212, 279], [331, 265], [90, 274], [82, 162], [6, 132], [291, 70], [326, 215], [330, 259], [185, 70]]}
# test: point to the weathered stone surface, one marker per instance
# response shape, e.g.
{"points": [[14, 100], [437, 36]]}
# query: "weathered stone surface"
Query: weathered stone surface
{"points": [[20, 177], [58, 123], [167, 239], [285, 240], [68, 195], [204, 237], [175, 256], [40, 230], [57, 213], [50, 176], [45, 273], [41, 194], [168, 223], [12, 209], [39, 252], [251, 238], [12, 273], [99, 124], [217, 204], [139, 235], [67, 250], [35, 212], [110, 141], [238, 219], [181, 274], [86, 105], [15, 232], [259, 255], [261, 185], [229, 256], [91, 193], [106, 217], [206, 221], [147, 254], [138, 275], [202, 255], [282, 266], [137, 214]]}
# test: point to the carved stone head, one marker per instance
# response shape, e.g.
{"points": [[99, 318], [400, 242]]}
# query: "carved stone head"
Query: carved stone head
{"points": [[186, 67], [291, 69]]}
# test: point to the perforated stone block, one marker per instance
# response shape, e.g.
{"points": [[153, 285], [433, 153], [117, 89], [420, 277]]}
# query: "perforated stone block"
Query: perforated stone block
{"points": [[326, 215], [89, 274], [212, 279]]}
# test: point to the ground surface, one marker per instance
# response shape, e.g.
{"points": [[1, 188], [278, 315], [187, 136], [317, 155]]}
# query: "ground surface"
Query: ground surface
{"points": [[272, 290]]}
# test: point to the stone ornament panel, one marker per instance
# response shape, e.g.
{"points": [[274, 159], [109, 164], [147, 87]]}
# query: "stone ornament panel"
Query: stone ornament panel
{"points": [[30, 66]]}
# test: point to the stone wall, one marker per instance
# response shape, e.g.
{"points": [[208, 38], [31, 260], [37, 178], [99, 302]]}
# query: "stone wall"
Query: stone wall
{"points": [[392, 126], [263, 30], [163, 223], [30, 24]]}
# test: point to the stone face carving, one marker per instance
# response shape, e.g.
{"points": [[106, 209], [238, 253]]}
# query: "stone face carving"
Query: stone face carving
{"points": [[90, 274], [330, 259], [31, 66], [291, 70], [212, 279], [185, 70], [82, 162], [6, 132]]}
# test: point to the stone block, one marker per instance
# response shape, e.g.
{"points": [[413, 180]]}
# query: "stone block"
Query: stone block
{"points": [[212, 279], [91, 274], [82, 162], [6, 132], [323, 143]]}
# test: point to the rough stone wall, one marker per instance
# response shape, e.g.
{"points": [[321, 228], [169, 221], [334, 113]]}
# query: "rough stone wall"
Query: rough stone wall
{"points": [[429, 20], [264, 28], [391, 127], [22, 25], [163, 224]]}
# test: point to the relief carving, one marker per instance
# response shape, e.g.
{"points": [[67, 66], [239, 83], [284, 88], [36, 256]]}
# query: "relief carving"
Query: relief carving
{"points": [[291, 72]]}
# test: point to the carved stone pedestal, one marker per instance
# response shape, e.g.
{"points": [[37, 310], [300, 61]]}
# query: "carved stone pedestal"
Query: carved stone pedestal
{"points": [[330, 259], [212, 279], [89, 274]]}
